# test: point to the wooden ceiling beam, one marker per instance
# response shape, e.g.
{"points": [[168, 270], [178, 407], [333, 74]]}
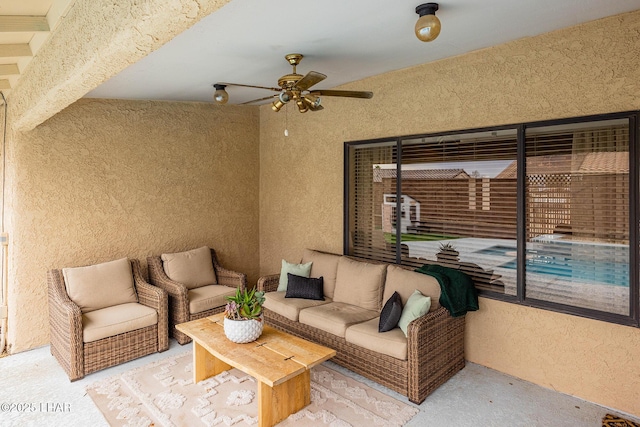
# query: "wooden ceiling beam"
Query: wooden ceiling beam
{"points": [[9, 69], [4, 84], [14, 50], [17, 24]]}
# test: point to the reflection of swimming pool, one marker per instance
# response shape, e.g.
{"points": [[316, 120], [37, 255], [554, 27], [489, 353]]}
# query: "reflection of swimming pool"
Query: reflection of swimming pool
{"points": [[594, 263], [500, 250]]}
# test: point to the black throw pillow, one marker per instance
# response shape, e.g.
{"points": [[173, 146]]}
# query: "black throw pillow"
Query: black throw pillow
{"points": [[391, 313], [305, 287]]}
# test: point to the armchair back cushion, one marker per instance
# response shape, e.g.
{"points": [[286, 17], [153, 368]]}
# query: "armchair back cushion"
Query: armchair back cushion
{"points": [[360, 283], [405, 282], [100, 285], [323, 265], [192, 268]]}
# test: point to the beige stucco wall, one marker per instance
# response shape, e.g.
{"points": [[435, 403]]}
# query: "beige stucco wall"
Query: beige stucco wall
{"points": [[588, 69], [95, 41], [109, 179]]}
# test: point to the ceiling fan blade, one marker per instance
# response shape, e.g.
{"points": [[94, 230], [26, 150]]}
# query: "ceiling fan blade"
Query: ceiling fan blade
{"points": [[276, 89], [343, 93], [259, 99], [309, 80]]}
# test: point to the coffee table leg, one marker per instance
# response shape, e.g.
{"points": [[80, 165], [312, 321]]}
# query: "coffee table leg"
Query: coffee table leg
{"points": [[277, 403], [206, 365]]}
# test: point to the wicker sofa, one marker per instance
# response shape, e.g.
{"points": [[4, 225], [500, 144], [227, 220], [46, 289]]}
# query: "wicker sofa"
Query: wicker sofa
{"points": [[347, 321]]}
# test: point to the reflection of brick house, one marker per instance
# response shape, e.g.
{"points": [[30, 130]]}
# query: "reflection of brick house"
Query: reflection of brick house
{"points": [[413, 174], [388, 178], [452, 202], [578, 193]]}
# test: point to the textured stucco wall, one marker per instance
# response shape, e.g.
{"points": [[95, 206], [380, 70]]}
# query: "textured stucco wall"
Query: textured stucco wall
{"points": [[589, 69], [108, 179], [95, 41]]}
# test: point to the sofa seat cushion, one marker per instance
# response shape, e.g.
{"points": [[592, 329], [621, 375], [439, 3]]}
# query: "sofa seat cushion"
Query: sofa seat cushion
{"points": [[208, 297], [335, 317], [405, 282], [360, 283], [323, 265], [289, 307], [392, 343], [117, 319]]}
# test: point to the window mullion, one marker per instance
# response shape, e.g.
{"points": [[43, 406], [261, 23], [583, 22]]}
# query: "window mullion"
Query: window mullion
{"points": [[521, 214], [634, 209], [399, 216]]}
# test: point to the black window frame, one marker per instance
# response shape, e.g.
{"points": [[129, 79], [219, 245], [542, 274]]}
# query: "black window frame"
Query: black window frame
{"points": [[633, 319]]}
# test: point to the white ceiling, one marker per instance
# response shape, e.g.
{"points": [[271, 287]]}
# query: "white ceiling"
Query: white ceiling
{"points": [[246, 40]]}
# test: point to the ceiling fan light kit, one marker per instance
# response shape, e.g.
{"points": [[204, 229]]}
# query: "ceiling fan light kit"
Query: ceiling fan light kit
{"points": [[294, 87], [428, 26], [283, 98]]}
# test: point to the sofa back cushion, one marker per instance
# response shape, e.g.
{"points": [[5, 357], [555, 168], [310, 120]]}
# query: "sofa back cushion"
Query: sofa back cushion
{"points": [[405, 282], [360, 283], [101, 285], [192, 268], [323, 265]]}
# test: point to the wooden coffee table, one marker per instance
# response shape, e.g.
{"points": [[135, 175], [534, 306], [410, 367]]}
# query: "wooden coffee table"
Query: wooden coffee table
{"points": [[279, 362]]}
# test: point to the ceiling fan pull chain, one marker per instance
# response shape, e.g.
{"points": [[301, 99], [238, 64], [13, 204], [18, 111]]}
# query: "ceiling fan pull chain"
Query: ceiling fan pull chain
{"points": [[286, 120]]}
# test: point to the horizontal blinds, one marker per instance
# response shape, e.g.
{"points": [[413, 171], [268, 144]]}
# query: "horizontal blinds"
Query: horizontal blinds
{"points": [[577, 215], [367, 239], [464, 192]]}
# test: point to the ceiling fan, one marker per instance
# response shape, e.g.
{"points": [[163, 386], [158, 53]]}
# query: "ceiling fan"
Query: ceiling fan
{"points": [[293, 87]]}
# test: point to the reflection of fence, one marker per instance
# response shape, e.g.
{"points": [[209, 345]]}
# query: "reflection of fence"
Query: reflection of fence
{"points": [[548, 203], [587, 206]]}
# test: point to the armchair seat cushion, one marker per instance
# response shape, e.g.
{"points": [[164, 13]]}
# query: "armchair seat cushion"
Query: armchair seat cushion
{"points": [[117, 319], [289, 307], [208, 297], [335, 317], [392, 343]]}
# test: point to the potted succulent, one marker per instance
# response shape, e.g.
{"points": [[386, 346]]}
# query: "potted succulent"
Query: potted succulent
{"points": [[447, 253], [243, 316]]}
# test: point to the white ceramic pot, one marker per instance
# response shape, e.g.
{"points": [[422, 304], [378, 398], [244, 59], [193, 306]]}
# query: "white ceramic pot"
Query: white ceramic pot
{"points": [[243, 331]]}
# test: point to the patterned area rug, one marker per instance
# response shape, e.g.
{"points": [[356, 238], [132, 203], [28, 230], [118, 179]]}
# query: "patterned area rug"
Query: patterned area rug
{"points": [[616, 421], [163, 394]]}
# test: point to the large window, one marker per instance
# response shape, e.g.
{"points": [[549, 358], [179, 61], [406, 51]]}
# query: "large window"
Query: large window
{"points": [[537, 213]]}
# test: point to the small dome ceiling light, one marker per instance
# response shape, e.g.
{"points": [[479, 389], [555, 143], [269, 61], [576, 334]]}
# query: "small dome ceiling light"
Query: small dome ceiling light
{"points": [[220, 96], [428, 25]]}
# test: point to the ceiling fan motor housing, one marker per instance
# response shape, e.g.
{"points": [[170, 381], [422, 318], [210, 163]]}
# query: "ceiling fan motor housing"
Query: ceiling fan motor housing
{"points": [[289, 80]]}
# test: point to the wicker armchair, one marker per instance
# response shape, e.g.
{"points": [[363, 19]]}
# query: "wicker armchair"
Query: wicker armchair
{"points": [[179, 294], [78, 358]]}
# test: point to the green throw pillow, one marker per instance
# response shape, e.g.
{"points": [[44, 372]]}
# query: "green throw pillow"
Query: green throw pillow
{"points": [[303, 270], [417, 305]]}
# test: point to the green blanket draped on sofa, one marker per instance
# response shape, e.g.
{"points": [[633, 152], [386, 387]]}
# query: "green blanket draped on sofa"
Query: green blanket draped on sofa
{"points": [[458, 293]]}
